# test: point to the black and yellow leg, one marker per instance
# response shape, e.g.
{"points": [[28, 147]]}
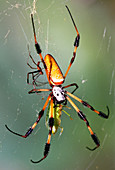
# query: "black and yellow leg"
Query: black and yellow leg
{"points": [[38, 90], [83, 117], [29, 131], [47, 145], [37, 46], [76, 43], [90, 107]]}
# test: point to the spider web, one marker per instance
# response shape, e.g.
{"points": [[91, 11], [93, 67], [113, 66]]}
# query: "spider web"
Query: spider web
{"points": [[93, 70]]}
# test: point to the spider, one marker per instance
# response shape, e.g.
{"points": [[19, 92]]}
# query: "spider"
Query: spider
{"points": [[58, 96]]}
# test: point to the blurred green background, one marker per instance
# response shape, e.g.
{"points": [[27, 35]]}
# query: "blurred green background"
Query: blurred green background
{"points": [[93, 70]]}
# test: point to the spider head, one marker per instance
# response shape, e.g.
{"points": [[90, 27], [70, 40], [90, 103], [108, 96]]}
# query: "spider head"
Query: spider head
{"points": [[59, 94]]}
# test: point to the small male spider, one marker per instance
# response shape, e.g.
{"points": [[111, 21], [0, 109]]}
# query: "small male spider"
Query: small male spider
{"points": [[58, 96]]}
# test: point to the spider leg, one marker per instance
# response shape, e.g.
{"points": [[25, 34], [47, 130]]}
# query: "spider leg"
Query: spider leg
{"points": [[35, 81], [83, 117], [73, 84], [37, 71], [51, 123], [38, 90], [31, 66], [37, 46], [34, 77], [30, 57], [29, 131], [76, 44], [89, 106]]}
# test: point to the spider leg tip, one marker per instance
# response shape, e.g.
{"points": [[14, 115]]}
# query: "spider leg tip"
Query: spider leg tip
{"points": [[108, 111], [32, 161], [92, 149], [6, 127], [36, 161]]}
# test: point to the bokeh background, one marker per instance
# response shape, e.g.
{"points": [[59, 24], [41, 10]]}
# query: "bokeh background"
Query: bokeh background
{"points": [[93, 70]]}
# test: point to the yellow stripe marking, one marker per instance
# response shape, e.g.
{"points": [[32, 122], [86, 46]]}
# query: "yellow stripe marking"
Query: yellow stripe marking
{"points": [[76, 98], [75, 107], [90, 130]]}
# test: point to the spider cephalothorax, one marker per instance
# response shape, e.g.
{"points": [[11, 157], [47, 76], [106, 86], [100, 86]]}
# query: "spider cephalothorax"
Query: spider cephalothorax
{"points": [[59, 93]]}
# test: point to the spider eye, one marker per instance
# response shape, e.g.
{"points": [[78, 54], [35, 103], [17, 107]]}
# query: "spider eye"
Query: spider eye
{"points": [[62, 92]]}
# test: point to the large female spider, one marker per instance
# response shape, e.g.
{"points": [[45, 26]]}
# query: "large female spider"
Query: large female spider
{"points": [[58, 95]]}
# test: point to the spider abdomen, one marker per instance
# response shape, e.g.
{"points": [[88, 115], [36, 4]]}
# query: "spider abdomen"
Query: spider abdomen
{"points": [[54, 74]]}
